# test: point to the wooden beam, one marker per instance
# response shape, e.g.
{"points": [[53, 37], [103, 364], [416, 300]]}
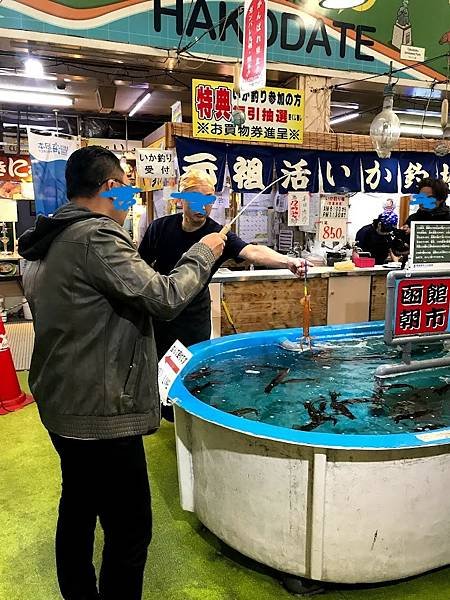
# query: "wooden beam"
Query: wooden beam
{"points": [[334, 142]]}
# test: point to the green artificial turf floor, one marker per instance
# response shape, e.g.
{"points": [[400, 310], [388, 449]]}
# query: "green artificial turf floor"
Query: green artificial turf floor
{"points": [[186, 562]]}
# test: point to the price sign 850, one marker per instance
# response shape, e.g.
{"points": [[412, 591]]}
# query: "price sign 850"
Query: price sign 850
{"points": [[333, 230]]}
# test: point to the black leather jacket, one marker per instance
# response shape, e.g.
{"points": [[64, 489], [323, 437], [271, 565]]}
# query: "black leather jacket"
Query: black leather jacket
{"points": [[94, 366]]}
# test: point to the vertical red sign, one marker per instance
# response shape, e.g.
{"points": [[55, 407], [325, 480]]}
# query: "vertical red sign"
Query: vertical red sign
{"points": [[254, 51], [422, 306]]}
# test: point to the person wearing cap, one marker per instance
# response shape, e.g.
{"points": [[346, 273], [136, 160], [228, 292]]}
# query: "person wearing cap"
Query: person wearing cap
{"points": [[376, 239], [168, 238]]}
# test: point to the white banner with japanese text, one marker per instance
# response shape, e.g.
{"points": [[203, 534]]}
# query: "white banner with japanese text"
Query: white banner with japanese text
{"points": [[152, 163]]}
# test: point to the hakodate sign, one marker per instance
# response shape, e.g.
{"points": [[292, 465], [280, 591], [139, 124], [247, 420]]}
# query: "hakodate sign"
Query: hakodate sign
{"points": [[365, 39]]}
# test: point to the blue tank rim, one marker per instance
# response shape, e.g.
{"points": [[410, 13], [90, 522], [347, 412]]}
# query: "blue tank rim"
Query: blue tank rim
{"points": [[201, 352]]}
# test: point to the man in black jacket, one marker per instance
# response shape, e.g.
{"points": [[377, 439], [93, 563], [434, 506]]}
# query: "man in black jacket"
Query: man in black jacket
{"points": [[376, 239], [169, 237], [437, 189], [94, 369]]}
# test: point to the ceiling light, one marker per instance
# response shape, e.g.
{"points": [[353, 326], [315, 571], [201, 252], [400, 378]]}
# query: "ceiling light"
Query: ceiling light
{"points": [[419, 130], [139, 104], [341, 3], [34, 68], [37, 127], [424, 93], [347, 105], [343, 118], [385, 128], [418, 112], [22, 74], [29, 88], [23, 97]]}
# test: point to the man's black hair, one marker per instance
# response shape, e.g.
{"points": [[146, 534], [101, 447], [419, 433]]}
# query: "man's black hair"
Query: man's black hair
{"points": [[439, 187], [88, 168]]}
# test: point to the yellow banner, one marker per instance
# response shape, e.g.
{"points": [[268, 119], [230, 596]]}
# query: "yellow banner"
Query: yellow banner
{"points": [[271, 114]]}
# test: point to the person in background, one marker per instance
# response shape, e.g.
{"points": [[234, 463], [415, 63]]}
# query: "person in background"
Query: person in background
{"points": [[388, 215], [435, 188], [376, 239], [168, 238], [400, 244], [94, 369]]}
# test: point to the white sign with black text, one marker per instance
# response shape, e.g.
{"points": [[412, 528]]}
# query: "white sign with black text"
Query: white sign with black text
{"points": [[298, 208], [333, 218], [170, 366], [153, 163]]}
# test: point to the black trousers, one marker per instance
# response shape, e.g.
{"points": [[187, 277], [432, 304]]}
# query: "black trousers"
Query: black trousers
{"points": [[105, 479]]}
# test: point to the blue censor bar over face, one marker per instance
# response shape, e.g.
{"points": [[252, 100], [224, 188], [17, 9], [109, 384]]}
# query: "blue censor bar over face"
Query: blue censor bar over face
{"points": [[427, 202], [123, 197], [197, 201]]}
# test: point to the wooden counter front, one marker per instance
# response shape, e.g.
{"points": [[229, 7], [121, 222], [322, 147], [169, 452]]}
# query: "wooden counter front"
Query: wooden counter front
{"points": [[378, 298], [259, 305]]}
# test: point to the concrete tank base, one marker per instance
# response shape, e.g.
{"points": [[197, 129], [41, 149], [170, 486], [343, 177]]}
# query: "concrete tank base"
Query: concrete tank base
{"points": [[342, 512]]}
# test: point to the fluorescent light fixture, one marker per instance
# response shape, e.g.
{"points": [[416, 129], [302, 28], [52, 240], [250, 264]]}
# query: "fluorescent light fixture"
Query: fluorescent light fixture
{"points": [[30, 88], [34, 68], [347, 105], [424, 93], [418, 130], [37, 127], [418, 112], [10, 73], [25, 97], [344, 118], [139, 104], [341, 3]]}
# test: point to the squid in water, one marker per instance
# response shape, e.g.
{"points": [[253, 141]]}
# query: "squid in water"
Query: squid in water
{"points": [[306, 303]]}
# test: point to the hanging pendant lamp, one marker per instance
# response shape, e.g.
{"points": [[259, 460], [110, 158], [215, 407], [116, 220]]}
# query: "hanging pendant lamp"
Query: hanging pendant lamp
{"points": [[385, 128]]}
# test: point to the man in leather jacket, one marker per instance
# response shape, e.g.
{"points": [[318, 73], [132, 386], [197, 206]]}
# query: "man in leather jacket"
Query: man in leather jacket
{"points": [[94, 369]]}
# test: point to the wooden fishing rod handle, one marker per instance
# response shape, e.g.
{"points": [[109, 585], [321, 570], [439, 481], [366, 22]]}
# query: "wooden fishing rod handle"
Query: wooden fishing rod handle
{"points": [[225, 229]]}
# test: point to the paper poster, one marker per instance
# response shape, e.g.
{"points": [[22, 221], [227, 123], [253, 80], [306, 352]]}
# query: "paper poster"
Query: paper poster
{"points": [[298, 208], [254, 226], [222, 199], [333, 218]]}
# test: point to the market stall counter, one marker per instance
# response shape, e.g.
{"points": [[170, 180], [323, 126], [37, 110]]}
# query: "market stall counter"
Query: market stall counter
{"points": [[270, 299]]}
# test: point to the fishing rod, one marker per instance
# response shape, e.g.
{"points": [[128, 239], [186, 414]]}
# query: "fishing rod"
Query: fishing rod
{"points": [[227, 228]]}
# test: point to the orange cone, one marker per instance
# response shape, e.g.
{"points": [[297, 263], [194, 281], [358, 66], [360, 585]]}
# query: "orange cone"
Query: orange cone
{"points": [[12, 398]]}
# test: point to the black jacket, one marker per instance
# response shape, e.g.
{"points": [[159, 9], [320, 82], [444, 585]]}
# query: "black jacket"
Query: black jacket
{"points": [[369, 240], [94, 368], [439, 213]]}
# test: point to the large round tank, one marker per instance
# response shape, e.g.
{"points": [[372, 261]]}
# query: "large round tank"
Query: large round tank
{"points": [[329, 507]]}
